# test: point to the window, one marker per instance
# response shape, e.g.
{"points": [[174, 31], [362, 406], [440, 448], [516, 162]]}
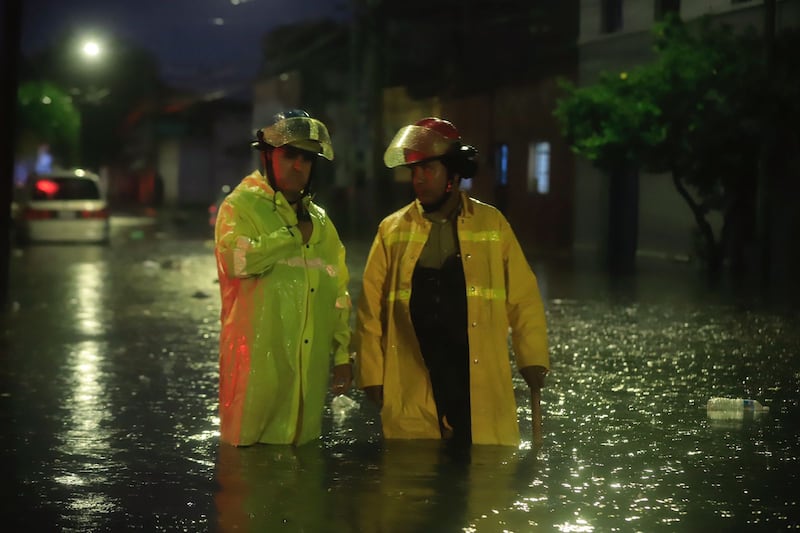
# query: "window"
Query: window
{"points": [[539, 168], [611, 16], [664, 7], [501, 165]]}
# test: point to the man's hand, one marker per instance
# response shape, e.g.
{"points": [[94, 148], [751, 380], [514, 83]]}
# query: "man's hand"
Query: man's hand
{"points": [[534, 376], [342, 378], [375, 394]]}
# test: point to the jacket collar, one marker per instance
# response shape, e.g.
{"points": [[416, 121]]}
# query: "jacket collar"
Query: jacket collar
{"points": [[415, 211], [257, 184]]}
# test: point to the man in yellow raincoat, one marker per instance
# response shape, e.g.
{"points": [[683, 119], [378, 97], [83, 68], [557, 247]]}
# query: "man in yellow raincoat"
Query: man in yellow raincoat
{"points": [[444, 282], [283, 283]]}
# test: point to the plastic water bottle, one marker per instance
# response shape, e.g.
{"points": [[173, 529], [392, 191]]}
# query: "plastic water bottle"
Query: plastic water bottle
{"points": [[341, 406], [734, 408]]}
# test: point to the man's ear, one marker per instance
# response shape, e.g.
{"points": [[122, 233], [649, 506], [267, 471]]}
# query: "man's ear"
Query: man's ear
{"points": [[452, 182]]}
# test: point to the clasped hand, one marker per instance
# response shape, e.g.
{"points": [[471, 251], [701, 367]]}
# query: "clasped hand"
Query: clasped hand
{"points": [[342, 378]]}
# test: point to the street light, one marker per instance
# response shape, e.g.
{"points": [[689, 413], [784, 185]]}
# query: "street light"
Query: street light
{"points": [[91, 50]]}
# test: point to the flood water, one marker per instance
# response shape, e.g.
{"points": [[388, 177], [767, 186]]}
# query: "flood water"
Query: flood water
{"points": [[108, 401]]}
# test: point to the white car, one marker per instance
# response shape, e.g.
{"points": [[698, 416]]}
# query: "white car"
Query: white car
{"points": [[63, 206]]}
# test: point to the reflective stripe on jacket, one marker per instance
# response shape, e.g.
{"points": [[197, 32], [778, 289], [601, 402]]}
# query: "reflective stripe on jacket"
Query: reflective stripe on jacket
{"points": [[285, 311], [502, 292]]}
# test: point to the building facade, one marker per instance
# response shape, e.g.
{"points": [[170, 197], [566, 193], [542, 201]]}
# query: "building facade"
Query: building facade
{"points": [[615, 36]]}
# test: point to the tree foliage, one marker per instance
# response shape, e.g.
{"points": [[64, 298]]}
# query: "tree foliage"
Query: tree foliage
{"points": [[697, 111], [47, 116], [104, 91]]}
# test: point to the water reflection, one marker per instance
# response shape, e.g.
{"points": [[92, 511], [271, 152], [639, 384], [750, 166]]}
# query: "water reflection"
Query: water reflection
{"points": [[89, 287], [269, 488], [85, 439], [112, 426], [396, 486]]}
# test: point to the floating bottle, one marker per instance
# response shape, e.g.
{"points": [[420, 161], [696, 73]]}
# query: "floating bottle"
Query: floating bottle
{"points": [[734, 408], [342, 406]]}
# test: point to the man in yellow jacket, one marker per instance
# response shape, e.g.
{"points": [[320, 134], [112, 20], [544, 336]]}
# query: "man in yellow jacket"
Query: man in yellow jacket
{"points": [[283, 283], [444, 282]]}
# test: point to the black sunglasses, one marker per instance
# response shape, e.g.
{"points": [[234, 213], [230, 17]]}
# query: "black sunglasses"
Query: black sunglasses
{"points": [[292, 152]]}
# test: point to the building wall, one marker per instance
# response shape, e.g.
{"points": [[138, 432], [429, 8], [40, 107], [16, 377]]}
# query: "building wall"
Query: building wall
{"points": [[194, 167], [169, 167], [195, 175], [519, 116], [231, 155]]}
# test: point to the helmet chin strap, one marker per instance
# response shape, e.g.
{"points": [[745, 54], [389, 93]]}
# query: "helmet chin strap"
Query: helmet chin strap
{"points": [[268, 170]]}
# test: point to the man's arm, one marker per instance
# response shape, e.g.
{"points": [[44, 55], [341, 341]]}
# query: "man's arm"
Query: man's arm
{"points": [[369, 323]]}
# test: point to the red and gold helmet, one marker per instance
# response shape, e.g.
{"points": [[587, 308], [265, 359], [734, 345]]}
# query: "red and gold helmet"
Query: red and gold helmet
{"points": [[428, 138]]}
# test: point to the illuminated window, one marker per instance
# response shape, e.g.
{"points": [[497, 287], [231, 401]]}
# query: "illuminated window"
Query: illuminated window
{"points": [[501, 164], [539, 168]]}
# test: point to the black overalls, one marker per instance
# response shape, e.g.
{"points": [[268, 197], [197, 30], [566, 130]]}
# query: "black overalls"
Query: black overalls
{"points": [[439, 313]]}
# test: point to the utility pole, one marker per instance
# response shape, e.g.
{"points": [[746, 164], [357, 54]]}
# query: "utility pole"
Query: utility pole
{"points": [[354, 163], [766, 156], [373, 95], [9, 66]]}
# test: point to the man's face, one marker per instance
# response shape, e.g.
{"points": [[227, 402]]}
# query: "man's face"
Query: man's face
{"points": [[291, 167], [429, 179]]}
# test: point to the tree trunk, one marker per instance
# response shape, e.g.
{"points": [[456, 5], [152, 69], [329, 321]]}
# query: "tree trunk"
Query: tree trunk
{"points": [[766, 152], [713, 254], [623, 220]]}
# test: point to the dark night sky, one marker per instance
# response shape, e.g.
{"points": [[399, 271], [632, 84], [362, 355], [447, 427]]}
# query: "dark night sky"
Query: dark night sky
{"points": [[206, 44]]}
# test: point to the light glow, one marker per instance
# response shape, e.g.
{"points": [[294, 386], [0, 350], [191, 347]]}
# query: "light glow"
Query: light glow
{"points": [[91, 49]]}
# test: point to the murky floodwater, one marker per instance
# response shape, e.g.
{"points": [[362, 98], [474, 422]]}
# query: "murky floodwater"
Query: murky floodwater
{"points": [[108, 399]]}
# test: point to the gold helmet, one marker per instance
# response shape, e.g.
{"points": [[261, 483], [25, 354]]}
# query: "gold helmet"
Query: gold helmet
{"points": [[298, 129]]}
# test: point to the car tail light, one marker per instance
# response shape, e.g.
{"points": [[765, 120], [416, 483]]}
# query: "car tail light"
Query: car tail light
{"points": [[100, 213], [38, 214]]}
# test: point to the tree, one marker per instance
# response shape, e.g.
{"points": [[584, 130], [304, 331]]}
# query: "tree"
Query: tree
{"points": [[104, 92], [46, 114], [693, 112]]}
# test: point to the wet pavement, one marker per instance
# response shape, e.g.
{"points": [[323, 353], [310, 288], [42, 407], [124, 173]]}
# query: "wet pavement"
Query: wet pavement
{"points": [[108, 403]]}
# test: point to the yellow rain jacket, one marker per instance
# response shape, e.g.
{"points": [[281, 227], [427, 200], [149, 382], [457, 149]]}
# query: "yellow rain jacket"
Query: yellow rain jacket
{"points": [[502, 292], [285, 311]]}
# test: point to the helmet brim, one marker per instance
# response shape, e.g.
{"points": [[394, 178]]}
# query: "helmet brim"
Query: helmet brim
{"points": [[414, 144], [304, 132]]}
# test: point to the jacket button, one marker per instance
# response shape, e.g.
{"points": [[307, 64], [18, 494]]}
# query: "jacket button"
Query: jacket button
{"points": [[469, 256], [306, 341], [474, 324], [472, 289], [475, 361], [312, 289]]}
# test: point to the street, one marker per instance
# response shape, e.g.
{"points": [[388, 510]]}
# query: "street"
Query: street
{"points": [[108, 401]]}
